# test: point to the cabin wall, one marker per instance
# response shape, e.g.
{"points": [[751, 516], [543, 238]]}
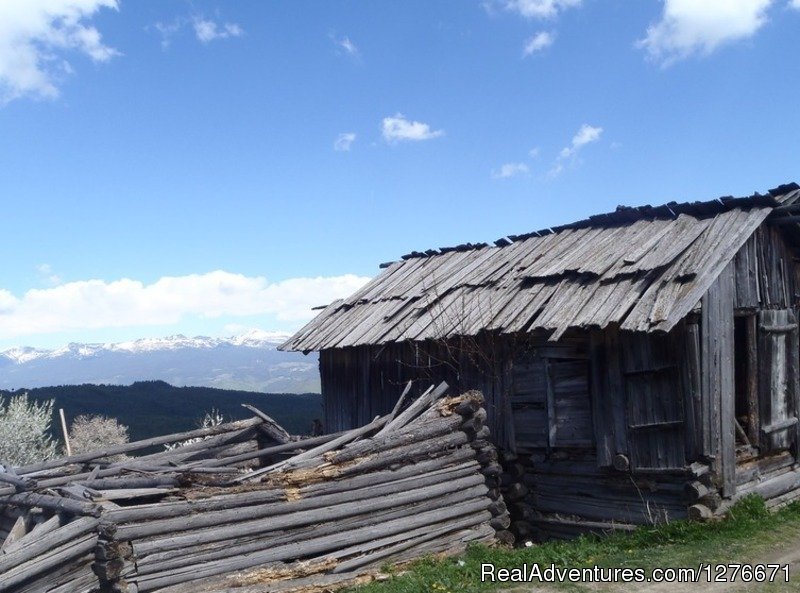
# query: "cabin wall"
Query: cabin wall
{"points": [[766, 273], [566, 414], [363, 382], [750, 388], [609, 426], [631, 462]]}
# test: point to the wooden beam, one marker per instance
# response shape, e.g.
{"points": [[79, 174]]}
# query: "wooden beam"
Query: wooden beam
{"points": [[780, 425]]}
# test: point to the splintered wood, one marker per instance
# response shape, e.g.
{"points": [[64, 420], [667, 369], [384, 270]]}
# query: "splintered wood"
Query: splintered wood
{"points": [[245, 505]]}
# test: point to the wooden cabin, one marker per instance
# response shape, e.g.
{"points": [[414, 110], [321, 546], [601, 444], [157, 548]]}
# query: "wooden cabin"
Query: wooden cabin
{"points": [[638, 366]]}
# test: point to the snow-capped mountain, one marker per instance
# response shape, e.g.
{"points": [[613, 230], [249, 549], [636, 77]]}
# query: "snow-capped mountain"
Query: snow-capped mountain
{"points": [[249, 361]]}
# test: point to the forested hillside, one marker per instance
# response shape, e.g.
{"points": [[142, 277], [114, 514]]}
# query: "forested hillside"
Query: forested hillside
{"points": [[151, 408]]}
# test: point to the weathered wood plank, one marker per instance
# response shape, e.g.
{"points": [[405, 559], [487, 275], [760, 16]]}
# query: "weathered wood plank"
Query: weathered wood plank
{"points": [[725, 327]]}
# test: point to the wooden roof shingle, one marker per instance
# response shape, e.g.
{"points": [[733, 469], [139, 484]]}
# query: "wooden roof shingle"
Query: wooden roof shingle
{"points": [[643, 268]]}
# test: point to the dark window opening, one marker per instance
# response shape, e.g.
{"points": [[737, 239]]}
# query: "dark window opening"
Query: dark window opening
{"points": [[745, 382]]}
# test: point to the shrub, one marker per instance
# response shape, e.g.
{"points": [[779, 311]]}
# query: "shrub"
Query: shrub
{"points": [[25, 431], [92, 432]]}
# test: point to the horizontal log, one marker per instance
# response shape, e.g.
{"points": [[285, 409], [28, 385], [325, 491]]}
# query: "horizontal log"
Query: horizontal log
{"points": [[492, 469], [165, 510], [83, 581], [160, 560], [500, 522], [130, 482], [497, 507], [472, 426], [486, 456], [138, 445], [302, 444], [699, 512], [17, 482], [695, 490], [315, 546], [456, 460], [406, 454], [55, 503], [410, 434], [544, 522], [391, 546], [366, 550], [296, 519], [781, 425], [467, 407], [345, 437], [157, 462]]}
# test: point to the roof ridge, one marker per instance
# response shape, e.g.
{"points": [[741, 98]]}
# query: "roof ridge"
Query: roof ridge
{"points": [[623, 215]]}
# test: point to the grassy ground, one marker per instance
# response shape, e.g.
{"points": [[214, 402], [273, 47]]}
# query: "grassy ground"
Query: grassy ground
{"points": [[750, 534]]}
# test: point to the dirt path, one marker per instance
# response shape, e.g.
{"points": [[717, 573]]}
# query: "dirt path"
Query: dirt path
{"points": [[785, 553]]}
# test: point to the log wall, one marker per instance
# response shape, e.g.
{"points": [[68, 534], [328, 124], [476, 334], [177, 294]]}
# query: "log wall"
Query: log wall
{"points": [[565, 413]]}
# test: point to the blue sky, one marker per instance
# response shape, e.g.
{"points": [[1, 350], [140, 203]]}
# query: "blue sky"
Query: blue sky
{"points": [[206, 167]]}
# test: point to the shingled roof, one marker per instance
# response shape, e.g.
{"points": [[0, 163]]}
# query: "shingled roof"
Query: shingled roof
{"points": [[642, 268]]}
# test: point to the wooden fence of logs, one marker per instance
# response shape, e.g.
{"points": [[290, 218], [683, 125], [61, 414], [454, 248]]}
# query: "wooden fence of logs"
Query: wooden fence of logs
{"points": [[245, 507]]}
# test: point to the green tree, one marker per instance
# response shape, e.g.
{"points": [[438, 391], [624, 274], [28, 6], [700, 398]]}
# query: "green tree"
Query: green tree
{"points": [[25, 431]]}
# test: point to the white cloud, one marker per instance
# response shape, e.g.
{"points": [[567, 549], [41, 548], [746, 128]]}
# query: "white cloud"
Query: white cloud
{"points": [[168, 31], [398, 128], [540, 9], [509, 170], [34, 37], [97, 304], [344, 141], [795, 4], [207, 30], [542, 40], [346, 45], [534, 152], [585, 135], [688, 27], [47, 275]]}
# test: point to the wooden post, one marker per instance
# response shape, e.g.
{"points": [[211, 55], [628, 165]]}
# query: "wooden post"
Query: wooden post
{"points": [[693, 396], [552, 425], [727, 414], [603, 422], [64, 431], [753, 420], [718, 412]]}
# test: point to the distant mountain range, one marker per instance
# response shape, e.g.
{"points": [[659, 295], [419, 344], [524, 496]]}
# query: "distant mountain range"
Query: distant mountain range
{"points": [[247, 362]]}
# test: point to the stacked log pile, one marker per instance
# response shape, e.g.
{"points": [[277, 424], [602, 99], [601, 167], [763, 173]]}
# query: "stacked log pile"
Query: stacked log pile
{"points": [[248, 505]]}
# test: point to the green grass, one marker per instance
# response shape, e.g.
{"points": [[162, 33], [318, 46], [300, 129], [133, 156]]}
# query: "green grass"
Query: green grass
{"points": [[749, 531]]}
